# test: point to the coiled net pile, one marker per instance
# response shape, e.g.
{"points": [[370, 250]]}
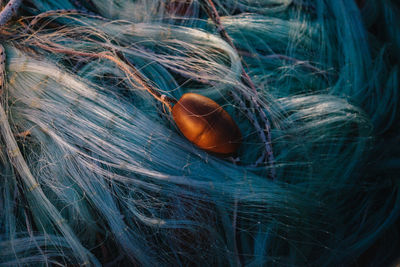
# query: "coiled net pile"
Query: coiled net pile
{"points": [[94, 171]]}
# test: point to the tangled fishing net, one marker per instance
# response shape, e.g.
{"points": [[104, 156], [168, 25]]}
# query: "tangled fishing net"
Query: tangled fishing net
{"points": [[94, 169]]}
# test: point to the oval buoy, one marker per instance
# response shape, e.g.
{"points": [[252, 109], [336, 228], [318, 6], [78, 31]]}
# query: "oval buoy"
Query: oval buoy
{"points": [[206, 124]]}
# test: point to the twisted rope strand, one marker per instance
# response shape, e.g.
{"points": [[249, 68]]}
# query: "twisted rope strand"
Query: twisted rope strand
{"points": [[129, 69], [265, 134], [8, 11]]}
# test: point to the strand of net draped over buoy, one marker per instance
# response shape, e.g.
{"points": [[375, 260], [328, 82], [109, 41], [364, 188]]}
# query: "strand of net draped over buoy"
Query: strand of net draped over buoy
{"points": [[264, 131]]}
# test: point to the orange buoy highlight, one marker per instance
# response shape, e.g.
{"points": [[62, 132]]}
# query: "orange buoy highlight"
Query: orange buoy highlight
{"points": [[206, 124]]}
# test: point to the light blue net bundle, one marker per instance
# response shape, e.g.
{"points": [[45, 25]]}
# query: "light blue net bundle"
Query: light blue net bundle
{"points": [[95, 172]]}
